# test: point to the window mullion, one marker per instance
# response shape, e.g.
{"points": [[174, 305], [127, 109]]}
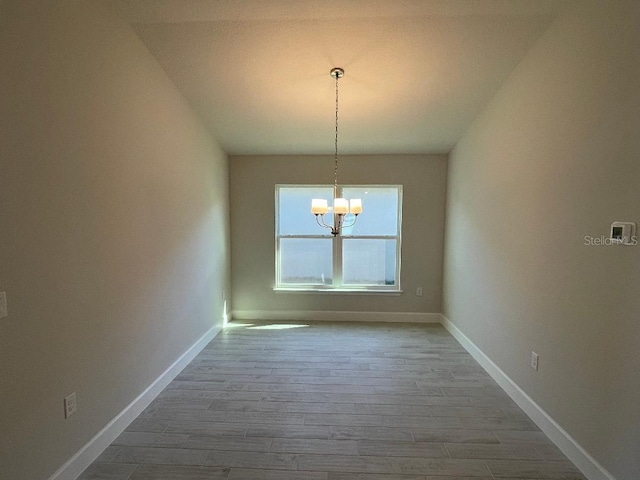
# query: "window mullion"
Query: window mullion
{"points": [[278, 279], [337, 251], [337, 260]]}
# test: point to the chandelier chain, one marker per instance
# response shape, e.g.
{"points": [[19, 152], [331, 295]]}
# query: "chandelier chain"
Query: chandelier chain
{"points": [[335, 158]]}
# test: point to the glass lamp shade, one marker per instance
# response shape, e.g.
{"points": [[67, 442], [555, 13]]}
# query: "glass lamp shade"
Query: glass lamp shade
{"points": [[319, 206], [355, 206], [340, 206]]}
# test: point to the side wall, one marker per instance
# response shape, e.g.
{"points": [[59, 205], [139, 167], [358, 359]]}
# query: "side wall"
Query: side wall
{"points": [[114, 226], [252, 187], [553, 159]]}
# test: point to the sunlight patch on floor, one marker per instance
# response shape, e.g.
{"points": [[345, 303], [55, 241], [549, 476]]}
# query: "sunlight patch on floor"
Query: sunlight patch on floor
{"points": [[238, 325], [276, 326]]}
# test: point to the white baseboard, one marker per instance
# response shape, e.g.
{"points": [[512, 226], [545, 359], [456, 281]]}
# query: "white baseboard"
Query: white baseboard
{"points": [[565, 442], [337, 316], [94, 447]]}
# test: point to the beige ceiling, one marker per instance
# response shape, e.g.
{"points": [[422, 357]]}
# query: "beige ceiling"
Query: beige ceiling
{"points": [[417, 72]]}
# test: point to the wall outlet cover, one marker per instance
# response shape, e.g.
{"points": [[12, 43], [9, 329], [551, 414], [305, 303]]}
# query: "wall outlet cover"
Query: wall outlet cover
{"points": [[534, 360], [70, 405]]}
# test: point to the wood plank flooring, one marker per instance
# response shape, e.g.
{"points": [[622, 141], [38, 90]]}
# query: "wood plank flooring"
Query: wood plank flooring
{"points": [[329, 401]]}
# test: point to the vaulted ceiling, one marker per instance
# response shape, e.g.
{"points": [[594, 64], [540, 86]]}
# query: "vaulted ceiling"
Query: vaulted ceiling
{"points": [[417, 72]]}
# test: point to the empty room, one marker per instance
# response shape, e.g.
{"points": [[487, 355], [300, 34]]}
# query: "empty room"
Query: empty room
{"points": [[305, 240]]}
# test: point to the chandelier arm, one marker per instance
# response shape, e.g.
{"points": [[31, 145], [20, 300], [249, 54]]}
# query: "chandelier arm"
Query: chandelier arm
{"points": [[320, 221], [355, 219]]}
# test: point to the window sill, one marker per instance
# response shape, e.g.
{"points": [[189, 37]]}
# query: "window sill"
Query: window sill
{"points": [[339, 291]]}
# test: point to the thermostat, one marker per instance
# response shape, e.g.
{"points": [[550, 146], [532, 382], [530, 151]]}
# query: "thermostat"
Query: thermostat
{"points": [[623, 233]]}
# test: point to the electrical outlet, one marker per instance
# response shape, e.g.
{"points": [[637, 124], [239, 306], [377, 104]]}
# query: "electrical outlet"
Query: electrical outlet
{"points": [[418, 291], [70, 405], [534, 360], [3, 305]]}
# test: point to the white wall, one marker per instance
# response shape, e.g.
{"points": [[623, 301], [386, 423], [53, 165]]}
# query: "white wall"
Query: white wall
{"points": [[252, 186], [113, 227], [554, 157]]}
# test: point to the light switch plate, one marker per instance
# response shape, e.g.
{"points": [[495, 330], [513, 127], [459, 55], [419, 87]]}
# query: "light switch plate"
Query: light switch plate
{"points": [[3, 305]]}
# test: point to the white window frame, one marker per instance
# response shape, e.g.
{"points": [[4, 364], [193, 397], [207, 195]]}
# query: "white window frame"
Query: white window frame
{"points": [[337, 242]]}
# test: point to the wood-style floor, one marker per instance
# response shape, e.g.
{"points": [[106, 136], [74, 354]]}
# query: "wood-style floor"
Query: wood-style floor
{"points": [[333, 401]]}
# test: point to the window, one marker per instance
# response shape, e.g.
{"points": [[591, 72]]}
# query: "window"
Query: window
{"points": [[366, 257]]}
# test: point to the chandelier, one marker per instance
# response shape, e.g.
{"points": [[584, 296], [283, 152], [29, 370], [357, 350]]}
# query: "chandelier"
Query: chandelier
{"points": [[341, 206]]}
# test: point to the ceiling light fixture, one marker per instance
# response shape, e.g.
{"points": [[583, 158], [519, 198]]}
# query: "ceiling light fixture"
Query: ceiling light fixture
{"points": [[341, 206]]}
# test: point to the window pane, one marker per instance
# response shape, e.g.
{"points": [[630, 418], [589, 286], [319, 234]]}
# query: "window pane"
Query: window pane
{"points": [[379, 210], [294, 210], [369, 262], [306, 261]]}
